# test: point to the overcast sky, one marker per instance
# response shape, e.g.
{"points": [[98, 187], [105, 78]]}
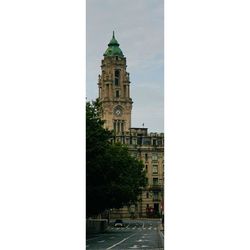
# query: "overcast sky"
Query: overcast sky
{"points": [[139, 29]]}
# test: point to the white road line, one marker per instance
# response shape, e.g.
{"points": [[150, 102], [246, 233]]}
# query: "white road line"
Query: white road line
{"points": [[120, 242], [162, 236], [134, 246]]}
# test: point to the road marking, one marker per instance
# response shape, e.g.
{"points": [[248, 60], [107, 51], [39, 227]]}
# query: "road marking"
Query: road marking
{"points": [[162, 235], [120, 242], [101, 241], [135, 246]]}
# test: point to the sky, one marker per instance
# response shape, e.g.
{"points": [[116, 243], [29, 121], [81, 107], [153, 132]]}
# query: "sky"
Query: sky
{"points": [[139, 29]]}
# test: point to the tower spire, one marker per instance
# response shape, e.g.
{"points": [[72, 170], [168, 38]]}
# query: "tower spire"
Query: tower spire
{"points": [[113, 48]]}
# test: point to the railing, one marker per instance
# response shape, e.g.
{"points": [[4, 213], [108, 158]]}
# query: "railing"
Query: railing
{"points": [[155, 186], [156, 199]]}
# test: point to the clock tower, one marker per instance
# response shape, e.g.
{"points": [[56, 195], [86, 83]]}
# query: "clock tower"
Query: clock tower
{"points": [[114, 92]]}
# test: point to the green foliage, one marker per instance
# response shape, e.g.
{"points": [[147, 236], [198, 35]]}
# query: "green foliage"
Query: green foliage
{"points": [[113, 177]]}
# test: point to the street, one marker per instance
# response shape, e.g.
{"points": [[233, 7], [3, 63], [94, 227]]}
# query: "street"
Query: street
{"points": [[136, 234]]}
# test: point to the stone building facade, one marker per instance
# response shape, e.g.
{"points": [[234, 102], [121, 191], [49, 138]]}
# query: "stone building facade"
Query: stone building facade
{"points": [[114, 96], [114, 89]]}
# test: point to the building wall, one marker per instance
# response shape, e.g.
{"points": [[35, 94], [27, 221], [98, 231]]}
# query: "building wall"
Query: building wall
{"points": [[149, 148]]}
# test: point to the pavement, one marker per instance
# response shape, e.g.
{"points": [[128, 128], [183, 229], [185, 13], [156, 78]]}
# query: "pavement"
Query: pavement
{"points": [[136, 234], [161, 232], [161, 228]]}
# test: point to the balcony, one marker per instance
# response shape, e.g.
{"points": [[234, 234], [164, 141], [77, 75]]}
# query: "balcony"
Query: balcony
{"points": [[154, 186], [156, 199]]}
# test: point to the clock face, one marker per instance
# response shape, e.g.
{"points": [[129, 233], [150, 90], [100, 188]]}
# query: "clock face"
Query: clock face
{"points": [[118, 111]]}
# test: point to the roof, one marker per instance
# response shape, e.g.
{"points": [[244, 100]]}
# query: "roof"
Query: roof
{"points": [[113, 48]]}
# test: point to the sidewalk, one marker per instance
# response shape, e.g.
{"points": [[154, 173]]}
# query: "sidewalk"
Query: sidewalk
{"points": [[161, 228], [161, 232]]}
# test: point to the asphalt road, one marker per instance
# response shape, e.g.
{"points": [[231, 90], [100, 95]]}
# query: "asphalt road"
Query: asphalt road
{"points": [[136, 234]]}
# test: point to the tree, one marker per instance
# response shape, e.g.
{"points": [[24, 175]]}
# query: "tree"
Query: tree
{"points": [[114, 178]]}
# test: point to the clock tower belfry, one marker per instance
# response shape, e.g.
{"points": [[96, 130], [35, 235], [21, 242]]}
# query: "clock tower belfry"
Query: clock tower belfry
{"points": [[114, 92]]}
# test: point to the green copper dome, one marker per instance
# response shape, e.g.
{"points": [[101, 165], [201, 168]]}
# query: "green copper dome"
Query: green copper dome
{"points": [[113, 48]]}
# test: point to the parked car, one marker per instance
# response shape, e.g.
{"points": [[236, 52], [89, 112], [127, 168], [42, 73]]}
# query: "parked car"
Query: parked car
{"points": [[118, 223]]}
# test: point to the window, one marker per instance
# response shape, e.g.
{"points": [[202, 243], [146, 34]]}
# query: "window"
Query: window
{"points": [[155, 196], [154, 157], [114, 126], [122, 127], [146, 141], [156, 207], [127, 140], [155, 169], [118, 126], [147, 195], [146, 168], [159, 142], [117, 93], [117, 77], [134, 141], [146, 157], [139, 140], [155, 181]]}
